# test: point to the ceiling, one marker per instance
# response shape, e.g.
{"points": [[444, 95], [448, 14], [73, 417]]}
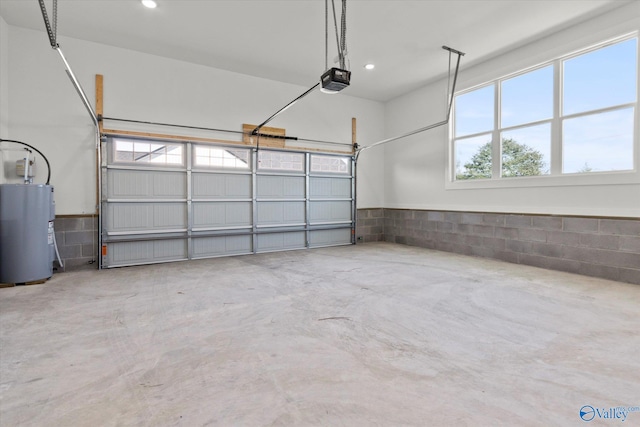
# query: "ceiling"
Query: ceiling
{"points": [[284, 40]]}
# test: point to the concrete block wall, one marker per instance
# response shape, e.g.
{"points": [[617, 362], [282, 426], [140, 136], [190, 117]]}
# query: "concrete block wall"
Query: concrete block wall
{"points": [[370, 225], [601, 247], [77, 239]]}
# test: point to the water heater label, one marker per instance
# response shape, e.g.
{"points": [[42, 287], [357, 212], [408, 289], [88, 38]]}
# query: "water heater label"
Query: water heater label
{"points": [[50, 233]]}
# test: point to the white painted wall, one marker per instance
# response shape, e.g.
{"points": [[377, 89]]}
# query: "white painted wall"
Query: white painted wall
{"points": [[415, 167], [47, 113], [4, 89]]}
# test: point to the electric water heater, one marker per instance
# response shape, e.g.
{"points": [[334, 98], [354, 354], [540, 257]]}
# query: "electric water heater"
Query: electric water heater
{"points": [[27, 247]]}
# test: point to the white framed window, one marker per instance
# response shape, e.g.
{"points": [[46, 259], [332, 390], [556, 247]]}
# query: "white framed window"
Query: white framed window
{"points": [[153, 153], [221, 158], [572, 116]]}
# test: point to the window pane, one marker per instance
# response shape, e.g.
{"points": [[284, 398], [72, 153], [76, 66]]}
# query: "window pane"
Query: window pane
{"points": [[274, 160], [474, 111], [527, 98], [330, 164], [526, 151], [603, 78], [473, 157], [141, 152], [598, 142], [224, 158]]}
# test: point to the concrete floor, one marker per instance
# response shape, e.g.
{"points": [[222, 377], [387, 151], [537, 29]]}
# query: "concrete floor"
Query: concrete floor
{"points": [[374, 334]]}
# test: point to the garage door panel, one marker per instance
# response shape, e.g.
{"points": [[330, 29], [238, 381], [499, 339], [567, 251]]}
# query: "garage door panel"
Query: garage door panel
{"points": [[280, 187], [281, 241], [132, 184], [223, 186], [329, 211], [150, 217], [144, 252], [281, 213], [222, 214], [329, 187], [221, 245], [340, 236]]}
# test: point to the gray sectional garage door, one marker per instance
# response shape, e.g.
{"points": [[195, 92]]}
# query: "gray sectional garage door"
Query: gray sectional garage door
{"points": [[170, 201]]}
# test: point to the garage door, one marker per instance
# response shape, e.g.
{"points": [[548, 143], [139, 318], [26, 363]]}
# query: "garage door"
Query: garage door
{"points": [[171, 201]]}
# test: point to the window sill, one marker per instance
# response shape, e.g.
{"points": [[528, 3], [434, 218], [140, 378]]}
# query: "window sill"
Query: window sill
{"points": [[590, 179]]}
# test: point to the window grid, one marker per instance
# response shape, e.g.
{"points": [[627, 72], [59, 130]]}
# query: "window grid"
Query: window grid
{"points": [[221, 158], [148, 152], [330, 164], [277, 161], [554, 165]]}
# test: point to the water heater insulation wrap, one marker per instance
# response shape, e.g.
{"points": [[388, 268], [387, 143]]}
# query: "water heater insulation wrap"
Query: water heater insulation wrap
{"points": [[26, 232]]}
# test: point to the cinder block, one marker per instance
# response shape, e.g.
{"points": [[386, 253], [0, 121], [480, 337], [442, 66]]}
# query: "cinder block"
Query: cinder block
{"points": [[452, 238], [444, 226], [429, 225], [629, 244], [482, 252], [600, 241], [472, 218], [455, 217], [493, 219], [602, 271], [59, 238], [58, 224], [462, 249], [518, 221], [401, 240], [630, 275], [559, 264], [615, 226], [532, 234], [518, 246], [546, 249], [580, 225], [482, 230], [376, 230], [90, 223], [461, 228], [494, 243], [362, 214], [376, 213], [547, 222], [506, 233], [68, 252], [421, 215], [406, 214], [471, 240], [435, 216], [75, 224], [564, 238], [429, 244], [78, 237], [76, 264], [420, 234], [444, 246], [506, 256], [413, 224], [89, 250], [602, 256]]}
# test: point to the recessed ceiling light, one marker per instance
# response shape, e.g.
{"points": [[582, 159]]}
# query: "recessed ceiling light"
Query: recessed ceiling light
{"points": [[149, 3], [369, 67]]}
